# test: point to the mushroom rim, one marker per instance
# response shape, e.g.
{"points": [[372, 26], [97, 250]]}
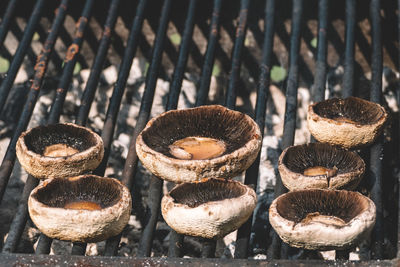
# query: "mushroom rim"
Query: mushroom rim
{"points": [[297, 225], [314, 115], [124, 194], [246, 149], [282, 163], [248, 191], [98, 146]]}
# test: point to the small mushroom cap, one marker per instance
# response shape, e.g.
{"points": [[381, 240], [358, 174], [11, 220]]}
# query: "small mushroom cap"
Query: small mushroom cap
{"points": [[238, 131], [46, 208], [291, 216], [367, 118], [348, 167], [32, 144], [209, 209]]}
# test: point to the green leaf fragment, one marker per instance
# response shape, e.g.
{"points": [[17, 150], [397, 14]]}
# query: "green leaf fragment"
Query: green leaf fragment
{"points": [[314, 42], [4, 65], [175, 38], [278, 74], [36, 37], [216, 70], [146, 68], [77, 68]]}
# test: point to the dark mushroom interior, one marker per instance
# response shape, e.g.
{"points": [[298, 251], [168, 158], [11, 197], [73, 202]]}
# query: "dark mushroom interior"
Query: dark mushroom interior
{"points": [[195, 194], [358, 110], [299, 158], [296, 205], [209, 121], [57, 193], [41, 137]]}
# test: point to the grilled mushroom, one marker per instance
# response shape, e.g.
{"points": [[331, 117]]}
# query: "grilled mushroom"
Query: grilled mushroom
{"points": [[319, 165], [209, 209], [192, 144], [84, 208], [319, 219], [59, 150], [350, 123]]}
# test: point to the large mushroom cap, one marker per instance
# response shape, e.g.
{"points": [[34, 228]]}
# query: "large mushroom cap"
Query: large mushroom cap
{"points": [[351, 122], [59, 150], [84, 208], [159, 150], [322, 219], [319, 165], [210, 209]]}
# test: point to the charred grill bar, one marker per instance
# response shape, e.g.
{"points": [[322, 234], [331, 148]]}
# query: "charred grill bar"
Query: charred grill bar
{"points": [[149, 217]]}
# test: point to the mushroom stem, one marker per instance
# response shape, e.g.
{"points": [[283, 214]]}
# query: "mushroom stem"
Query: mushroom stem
{"points": [[59, 150], [317, 217]]}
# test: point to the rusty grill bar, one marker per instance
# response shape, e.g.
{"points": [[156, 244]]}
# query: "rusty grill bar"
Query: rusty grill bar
{"points": [[148, 216]]}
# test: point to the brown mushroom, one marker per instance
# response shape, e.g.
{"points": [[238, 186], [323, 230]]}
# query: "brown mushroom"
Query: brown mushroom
{"points": [[205, 142], [320, 219], [84, 208], [209, 209], [320, 165], [351, 123], [59, 150]]}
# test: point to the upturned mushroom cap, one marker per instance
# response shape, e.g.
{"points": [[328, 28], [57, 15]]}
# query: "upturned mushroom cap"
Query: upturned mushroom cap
{"points": [[33, 144], [322, 219], [344, 169], [352, 122], [240, 134], [209, 209], [47, 208]]}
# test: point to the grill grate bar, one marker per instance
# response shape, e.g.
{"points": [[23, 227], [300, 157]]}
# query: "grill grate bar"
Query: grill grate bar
{"points": [[131, 161], [9, 158], [376, 156], [243, 235], [155, 188], [320, 68], [19, 221], [20, 53], [348, 75], [5, 23], [290, 110], [176, 240], [230, 101], [91, 85], [206, 71], [398, 101], [69, 63]]}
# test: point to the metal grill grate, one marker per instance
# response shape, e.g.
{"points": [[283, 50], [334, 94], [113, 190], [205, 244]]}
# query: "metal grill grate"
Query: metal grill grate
{"points": [[266, 21]]}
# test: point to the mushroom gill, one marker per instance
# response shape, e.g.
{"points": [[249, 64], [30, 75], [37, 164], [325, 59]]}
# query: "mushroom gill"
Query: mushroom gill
{"points": [[209, 209], [322, 219], [319, 165], [84, 208], [205, 142]]}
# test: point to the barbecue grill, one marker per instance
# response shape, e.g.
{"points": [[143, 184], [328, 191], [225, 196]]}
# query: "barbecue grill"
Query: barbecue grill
{"points": [[312, 40]]}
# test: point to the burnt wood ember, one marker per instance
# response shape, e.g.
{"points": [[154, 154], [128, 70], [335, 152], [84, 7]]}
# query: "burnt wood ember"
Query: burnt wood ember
{"points": [[113, 65]]}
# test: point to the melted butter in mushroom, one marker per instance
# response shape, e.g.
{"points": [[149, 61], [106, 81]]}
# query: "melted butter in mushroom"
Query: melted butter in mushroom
{"points": [[319, 170], [317, 217], [82, 205], [197, 148], [344, 119], [59, 150]]}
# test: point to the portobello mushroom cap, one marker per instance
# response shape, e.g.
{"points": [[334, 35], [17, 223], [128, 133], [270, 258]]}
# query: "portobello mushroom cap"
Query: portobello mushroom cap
{"points": [[321, 219], [209, 209], [84, 208], [329, 167], [239, 133], [351, 123], [59, 150]]}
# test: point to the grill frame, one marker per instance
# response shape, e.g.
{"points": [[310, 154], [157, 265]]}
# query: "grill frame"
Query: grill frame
{"points": [[276, 251]]}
